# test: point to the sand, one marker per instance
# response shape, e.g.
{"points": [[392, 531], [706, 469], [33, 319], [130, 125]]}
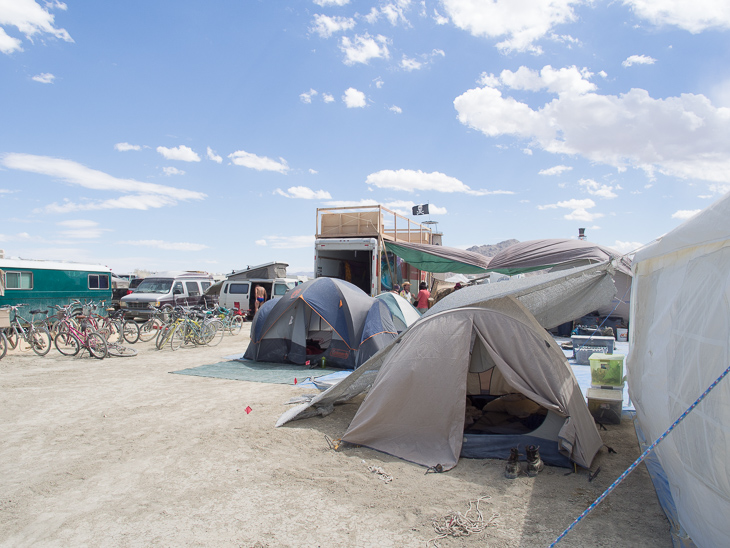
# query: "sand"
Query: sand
{"points": [[119, 452]]}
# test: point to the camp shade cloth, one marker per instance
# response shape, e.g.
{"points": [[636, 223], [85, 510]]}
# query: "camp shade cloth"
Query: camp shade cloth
{"points": [[551, 253], [556, 297], [437, 258], [415, 408], [680, 343]]}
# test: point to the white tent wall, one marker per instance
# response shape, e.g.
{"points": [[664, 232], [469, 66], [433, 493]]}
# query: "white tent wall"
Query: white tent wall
{"points": [[680, 334]]}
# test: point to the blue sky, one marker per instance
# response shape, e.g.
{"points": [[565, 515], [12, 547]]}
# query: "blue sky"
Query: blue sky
{"points": [[203, 135]]}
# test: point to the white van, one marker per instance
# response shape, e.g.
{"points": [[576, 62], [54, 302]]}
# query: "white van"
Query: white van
{"points": [[239, 294], [166, 288]]}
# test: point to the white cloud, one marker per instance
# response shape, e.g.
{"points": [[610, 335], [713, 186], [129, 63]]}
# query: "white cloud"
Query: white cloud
{"points": [[363, 48], [312, 171], [326, 26], [80, 229], [354, 98], [124, 147], [138, 195], [44, 78], [326, 3], [521, 23], [288, 242], [596, 189], [379, 82], [626, 247], [211, 155], [304, 193], [694, 17], [328, 98], [440, 19], [167, 246], [394, 12], [638, 60], [684, 214], [182, 153], [172, 171], [683, 136], [410, 64], [720, 189], [579, 210], [306, 97], [555, 170], [259, 163], [396, 109], [410, 180], [29, 18], [260, 243]]}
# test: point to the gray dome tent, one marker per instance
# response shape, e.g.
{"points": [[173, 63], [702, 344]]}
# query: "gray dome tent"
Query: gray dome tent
{"points": [[415, 409]]}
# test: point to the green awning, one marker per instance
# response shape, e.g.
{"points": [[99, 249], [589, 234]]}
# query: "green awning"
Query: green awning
{"points": [[438, 258]]}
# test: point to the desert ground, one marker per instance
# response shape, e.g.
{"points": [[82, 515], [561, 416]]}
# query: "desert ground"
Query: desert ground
{"points": [[121, 453]]}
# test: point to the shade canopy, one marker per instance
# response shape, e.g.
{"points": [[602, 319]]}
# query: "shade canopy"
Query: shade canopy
{"points": [[437, 258]]}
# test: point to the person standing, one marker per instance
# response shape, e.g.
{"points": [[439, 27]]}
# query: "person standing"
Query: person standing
{"points": [[422, 298], [260, 294], [406, 292]]}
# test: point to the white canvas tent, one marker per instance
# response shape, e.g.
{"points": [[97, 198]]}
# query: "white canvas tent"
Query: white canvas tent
{"points": [[681, 343]]}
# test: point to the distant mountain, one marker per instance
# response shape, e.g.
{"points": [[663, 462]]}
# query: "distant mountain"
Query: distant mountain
{"points": [[491, 250]]}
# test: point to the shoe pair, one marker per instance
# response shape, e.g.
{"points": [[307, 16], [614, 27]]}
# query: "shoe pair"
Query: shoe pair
{"points": [[534, 462]]}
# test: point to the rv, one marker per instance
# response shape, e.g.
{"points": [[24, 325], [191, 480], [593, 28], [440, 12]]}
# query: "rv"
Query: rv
{"points": [[237, 290], [44, 284]]}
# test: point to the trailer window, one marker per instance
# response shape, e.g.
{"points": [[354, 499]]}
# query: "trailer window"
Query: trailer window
{"points": [[238, 289], [18, 280], [98, 281]]}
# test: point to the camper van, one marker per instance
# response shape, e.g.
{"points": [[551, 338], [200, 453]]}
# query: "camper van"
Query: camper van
{"points": [[237, 290], [184, 288]]}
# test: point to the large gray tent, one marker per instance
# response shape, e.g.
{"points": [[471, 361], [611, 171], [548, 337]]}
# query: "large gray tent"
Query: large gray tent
{"points": [[415, 409]]}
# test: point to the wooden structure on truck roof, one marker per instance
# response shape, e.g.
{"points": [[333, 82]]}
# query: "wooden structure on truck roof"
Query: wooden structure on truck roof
{"points": [[370, 222]]}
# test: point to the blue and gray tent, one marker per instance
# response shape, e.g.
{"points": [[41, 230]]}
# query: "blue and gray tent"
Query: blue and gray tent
{"points": [[322, 318]]}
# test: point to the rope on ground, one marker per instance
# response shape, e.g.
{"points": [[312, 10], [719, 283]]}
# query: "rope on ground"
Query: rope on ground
{"points": [[457, 524], [641, 458]]}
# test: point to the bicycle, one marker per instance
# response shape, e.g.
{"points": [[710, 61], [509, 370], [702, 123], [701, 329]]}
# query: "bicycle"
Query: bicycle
{"points": [[151, 328], [197, 329], [38, 338], [70, 340], [233, 323]]}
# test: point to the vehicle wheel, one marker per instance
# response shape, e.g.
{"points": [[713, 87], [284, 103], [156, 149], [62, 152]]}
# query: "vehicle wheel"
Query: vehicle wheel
{"points": [[149, 329], [96, 345], [236, 325], [66, 344], [40, 341], [130, 329], [120, 351], [3, 345], [177, 339], [215, 332]]}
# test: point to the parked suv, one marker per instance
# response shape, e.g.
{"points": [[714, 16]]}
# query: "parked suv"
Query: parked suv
{"points": [[166, 288]]}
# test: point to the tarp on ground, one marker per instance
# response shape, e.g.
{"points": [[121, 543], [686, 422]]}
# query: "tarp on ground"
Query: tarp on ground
{"points": [[438, 258], [680, 335], [553, 299], [415, 409]]}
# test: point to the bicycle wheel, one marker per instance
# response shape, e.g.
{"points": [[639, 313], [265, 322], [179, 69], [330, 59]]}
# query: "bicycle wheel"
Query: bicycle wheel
{"points": [[3, 345], [214, 332], [12, 335], [163, 335], [130, 329], [96, 345], [66, 344], [177, 339], [120, 351], [149, 329], [235, 325], [40, 340]]}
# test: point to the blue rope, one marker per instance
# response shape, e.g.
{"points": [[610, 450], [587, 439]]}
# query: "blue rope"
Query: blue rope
{"points": [[641, 458]]}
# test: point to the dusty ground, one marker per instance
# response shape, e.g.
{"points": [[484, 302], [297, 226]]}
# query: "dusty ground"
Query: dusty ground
{"points": [[120, 452]]}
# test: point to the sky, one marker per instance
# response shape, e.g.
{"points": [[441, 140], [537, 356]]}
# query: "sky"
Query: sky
{"points": [[187, 135]]}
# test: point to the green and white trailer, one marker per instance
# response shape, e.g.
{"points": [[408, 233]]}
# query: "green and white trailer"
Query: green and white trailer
{"points": [[42, 284]]}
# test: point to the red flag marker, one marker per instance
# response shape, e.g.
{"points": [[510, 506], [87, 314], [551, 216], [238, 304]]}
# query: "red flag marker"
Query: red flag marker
{"points": [[295, 380], [248, 409]]}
